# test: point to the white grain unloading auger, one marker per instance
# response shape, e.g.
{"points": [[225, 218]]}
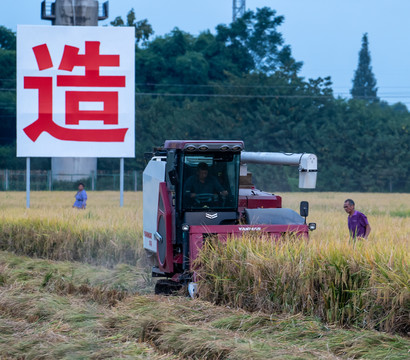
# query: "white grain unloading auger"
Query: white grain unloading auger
{"points": [[196, 189]]}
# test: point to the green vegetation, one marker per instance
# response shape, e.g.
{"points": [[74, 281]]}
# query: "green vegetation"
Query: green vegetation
{"points": [[364, 82], [243, 83], [71, 310], [143, 29]]}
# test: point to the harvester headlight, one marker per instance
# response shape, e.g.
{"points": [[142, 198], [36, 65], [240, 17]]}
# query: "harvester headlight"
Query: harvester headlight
{"points": [[185, 227], [203, 147], [224, 148], [236, 148], [312, 226], [190, 148]]}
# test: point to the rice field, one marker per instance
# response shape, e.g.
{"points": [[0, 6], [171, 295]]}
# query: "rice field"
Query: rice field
{"points": [[363, 283], [73, 284], [104, 234]]}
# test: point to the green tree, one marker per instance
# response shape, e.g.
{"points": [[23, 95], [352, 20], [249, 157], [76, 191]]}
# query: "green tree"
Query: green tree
{"points": [[364, 81], [252, 43], [242, 82], [143, 29], [7, 87], [255, 42], [7, 39]]}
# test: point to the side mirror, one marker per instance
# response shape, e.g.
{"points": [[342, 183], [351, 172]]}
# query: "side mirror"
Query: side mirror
{"points": [[173, 177], [304, 209]]}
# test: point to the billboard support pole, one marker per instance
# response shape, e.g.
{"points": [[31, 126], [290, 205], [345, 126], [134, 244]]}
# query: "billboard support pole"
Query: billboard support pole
{"points": [[121, 182], [6, 176], [28, 183]]}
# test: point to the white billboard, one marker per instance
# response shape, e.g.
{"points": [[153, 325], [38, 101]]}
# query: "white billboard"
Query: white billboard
{"points": [[75, 91]]}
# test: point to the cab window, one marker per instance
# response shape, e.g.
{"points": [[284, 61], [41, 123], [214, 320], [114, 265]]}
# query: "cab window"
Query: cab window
{"points": [[210, 181]]}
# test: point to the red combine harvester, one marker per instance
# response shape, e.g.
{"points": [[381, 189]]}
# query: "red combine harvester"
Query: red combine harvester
{"points": [[196, 189]]}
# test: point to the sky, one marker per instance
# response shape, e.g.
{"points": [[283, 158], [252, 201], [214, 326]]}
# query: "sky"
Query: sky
{"points": [[324, 34]]}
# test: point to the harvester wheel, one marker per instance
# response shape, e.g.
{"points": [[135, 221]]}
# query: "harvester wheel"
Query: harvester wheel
{"points": [[167, 287]]}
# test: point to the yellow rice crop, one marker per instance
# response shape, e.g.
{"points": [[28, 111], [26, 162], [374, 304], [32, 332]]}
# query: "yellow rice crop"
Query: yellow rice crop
{"points": [[104, 233], [364, 283]]}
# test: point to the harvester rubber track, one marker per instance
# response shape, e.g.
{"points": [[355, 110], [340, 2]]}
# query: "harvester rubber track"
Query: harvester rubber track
{"points": [[167, 287]]}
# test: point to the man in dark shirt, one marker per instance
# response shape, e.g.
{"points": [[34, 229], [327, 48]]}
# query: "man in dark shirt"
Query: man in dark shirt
{"points": [[202, 183], [357, 222]]}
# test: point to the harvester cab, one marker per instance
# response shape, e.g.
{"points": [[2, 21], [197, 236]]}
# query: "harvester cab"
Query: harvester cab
{"points": [[196, 189]]}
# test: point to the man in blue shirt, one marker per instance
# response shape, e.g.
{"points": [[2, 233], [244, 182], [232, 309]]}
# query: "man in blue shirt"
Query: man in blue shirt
{"points": [[357, 222], [80, 197]]}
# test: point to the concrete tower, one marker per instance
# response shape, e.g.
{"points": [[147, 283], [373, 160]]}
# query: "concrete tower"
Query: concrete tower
{"points": [[238, 9], [74, 13]]}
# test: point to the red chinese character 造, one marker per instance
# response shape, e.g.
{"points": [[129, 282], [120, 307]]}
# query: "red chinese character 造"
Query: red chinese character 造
{"points": [[44, 85]]}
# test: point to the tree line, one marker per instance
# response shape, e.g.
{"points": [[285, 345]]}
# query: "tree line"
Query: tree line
{"points": [[242, 82]]}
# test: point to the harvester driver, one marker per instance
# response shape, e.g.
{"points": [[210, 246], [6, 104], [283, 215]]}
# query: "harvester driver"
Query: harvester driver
{"points": [[202, 187]]}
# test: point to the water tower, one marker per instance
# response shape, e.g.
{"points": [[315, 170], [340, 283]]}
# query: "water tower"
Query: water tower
{"points": [[74, 13]]}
